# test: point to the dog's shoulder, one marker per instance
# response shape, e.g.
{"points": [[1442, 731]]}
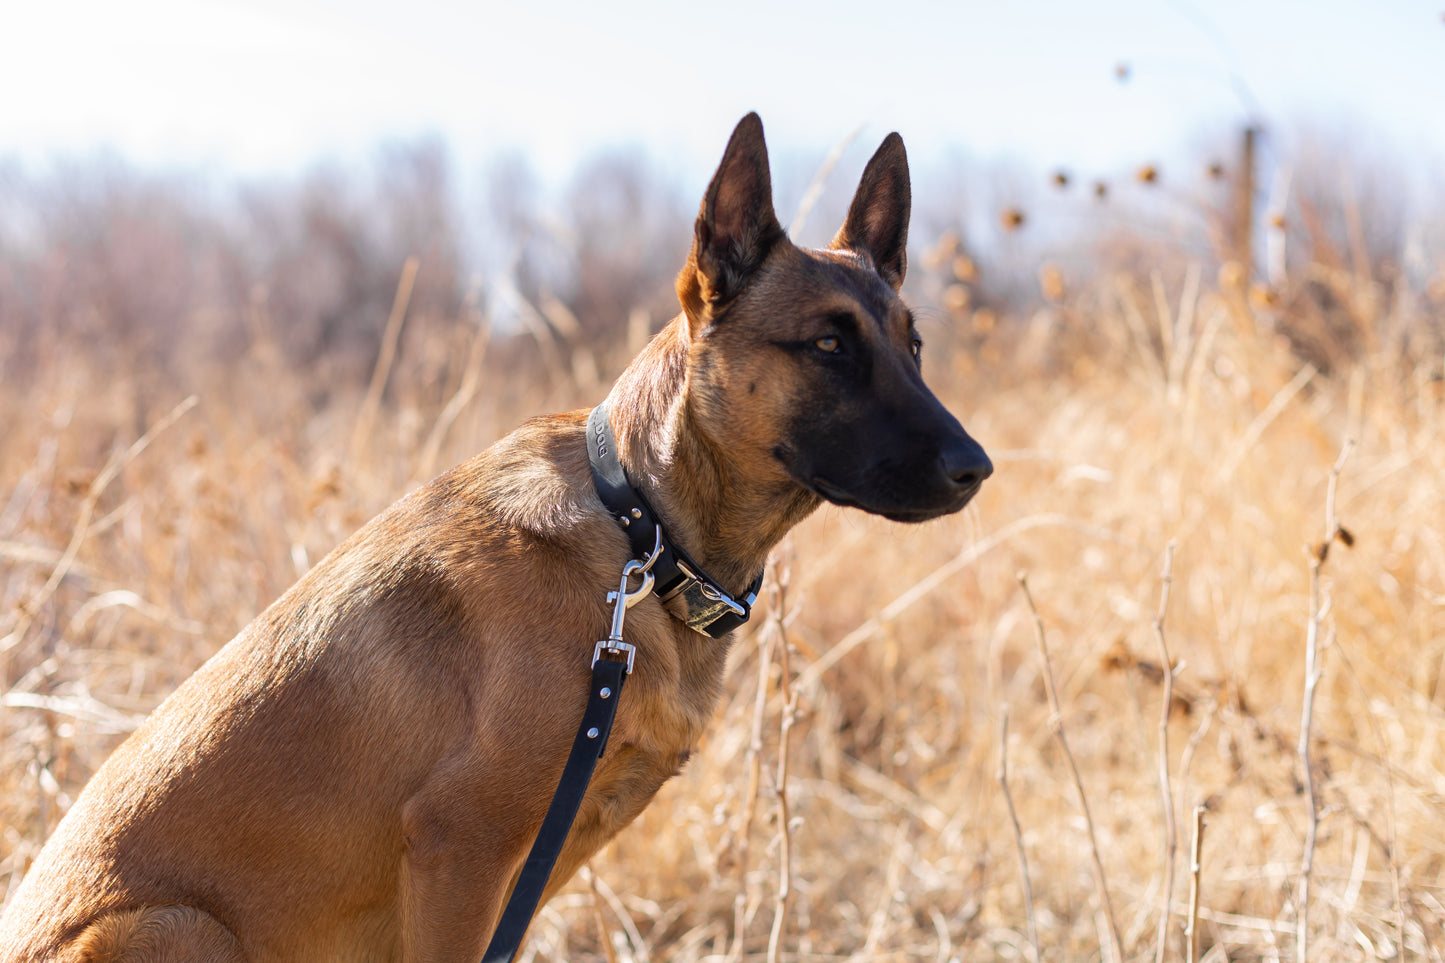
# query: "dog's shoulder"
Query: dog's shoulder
{"points": [[535, 481], [525, 504]]}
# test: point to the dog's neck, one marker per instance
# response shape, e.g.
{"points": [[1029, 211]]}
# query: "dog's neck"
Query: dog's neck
{"points": [[724, 517]]}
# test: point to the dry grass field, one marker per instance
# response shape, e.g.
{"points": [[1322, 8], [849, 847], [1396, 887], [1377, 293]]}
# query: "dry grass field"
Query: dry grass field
{"points": [[1249, 475]]}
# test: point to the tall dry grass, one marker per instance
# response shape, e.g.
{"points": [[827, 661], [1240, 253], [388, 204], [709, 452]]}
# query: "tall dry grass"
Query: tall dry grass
{"points": [[1143, 414]]}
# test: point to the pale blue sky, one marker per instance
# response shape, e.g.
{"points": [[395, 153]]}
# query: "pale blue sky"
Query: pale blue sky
{"points": [[265, 85]]}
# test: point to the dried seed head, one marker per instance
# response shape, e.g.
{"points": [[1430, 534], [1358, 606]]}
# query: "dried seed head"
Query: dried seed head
{"points": [[1435, 289], [1215, 170], [1051, 282], [1150, 671], [1012, 219], [1061, 179], [943, 251], [1118, 658], [964, 268], [1345, 535], [1148, 174], [1101, 189], [956, 298], [1277, 221], [1263, 296]]}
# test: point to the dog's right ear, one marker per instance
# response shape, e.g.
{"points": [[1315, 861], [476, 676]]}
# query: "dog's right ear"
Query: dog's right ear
{"points": [[736, 226]]}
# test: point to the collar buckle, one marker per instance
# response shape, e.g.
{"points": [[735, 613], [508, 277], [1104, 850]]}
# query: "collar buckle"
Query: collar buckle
{"points": [[704, 605]]}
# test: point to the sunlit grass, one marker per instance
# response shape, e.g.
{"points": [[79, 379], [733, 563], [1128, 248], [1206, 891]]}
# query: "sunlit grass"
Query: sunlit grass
{"points": [[1129, 413]]}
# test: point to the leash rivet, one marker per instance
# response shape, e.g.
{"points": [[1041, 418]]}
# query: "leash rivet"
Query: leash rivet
{"points": [[606, 693], [592, 733], [625, 521], [637, 513]]}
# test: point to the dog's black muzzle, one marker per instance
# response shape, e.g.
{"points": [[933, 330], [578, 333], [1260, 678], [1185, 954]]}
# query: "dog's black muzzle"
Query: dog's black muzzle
{"points": [[905, 469]]}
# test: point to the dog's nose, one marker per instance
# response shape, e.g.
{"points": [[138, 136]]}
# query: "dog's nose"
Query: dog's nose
{"points": [[965, 462]]}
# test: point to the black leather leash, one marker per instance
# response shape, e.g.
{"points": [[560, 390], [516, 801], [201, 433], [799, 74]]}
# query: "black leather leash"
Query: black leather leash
{"points": [[607, 679], [687, 592], [611, 665]]}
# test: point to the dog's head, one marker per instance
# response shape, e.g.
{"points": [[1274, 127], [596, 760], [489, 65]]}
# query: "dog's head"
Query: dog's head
{"points": [[807, 364]]}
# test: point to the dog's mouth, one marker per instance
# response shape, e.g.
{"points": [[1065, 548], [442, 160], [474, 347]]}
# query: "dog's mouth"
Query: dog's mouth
{"points": [[829, 492], [956, 500]]}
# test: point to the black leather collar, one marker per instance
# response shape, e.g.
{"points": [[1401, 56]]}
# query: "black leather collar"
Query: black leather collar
{"points": [[685, 590]]}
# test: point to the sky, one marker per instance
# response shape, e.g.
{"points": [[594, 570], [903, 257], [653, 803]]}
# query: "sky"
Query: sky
{"points": [[250, 86]]}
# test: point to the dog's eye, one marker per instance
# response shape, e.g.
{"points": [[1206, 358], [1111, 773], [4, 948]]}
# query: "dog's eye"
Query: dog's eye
{"points": [[916, 347], [829, 344]]}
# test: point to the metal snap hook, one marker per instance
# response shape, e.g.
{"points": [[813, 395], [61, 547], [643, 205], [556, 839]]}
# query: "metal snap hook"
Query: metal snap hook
{"points": [[622, 600]]}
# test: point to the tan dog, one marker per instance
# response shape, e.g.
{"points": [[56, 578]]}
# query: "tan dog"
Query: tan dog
{"points": [[359, 774]]}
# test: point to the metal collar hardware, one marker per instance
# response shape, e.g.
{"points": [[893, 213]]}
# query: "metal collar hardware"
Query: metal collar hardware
{"points": [[687, 592], [613, 647]]}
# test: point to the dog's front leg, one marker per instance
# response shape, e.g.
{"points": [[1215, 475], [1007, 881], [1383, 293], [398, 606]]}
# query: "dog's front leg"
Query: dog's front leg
{"points": [[465, 834]]}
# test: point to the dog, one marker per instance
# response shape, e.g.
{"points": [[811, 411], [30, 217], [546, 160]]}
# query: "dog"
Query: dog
{"points": [[360, 773]]}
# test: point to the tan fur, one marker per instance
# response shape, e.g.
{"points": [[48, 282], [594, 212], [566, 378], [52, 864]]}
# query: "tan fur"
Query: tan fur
{"points": [[359, 774]]}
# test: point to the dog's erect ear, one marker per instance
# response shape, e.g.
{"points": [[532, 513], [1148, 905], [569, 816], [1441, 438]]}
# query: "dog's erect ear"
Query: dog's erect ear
{"points": [[736, 226], [877, 223]]}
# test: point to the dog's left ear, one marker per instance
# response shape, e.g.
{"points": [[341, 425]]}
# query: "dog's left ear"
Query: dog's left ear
{"points": [[736, 226], [877, 223]]}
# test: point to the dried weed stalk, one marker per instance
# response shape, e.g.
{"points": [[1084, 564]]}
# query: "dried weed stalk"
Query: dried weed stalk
{"points": [[466, 390], [754, 765], [789, 693], [1171, 836], [1018, 833], [361, 434], [1108, 927], [1196, 845], [1313, 673]]}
